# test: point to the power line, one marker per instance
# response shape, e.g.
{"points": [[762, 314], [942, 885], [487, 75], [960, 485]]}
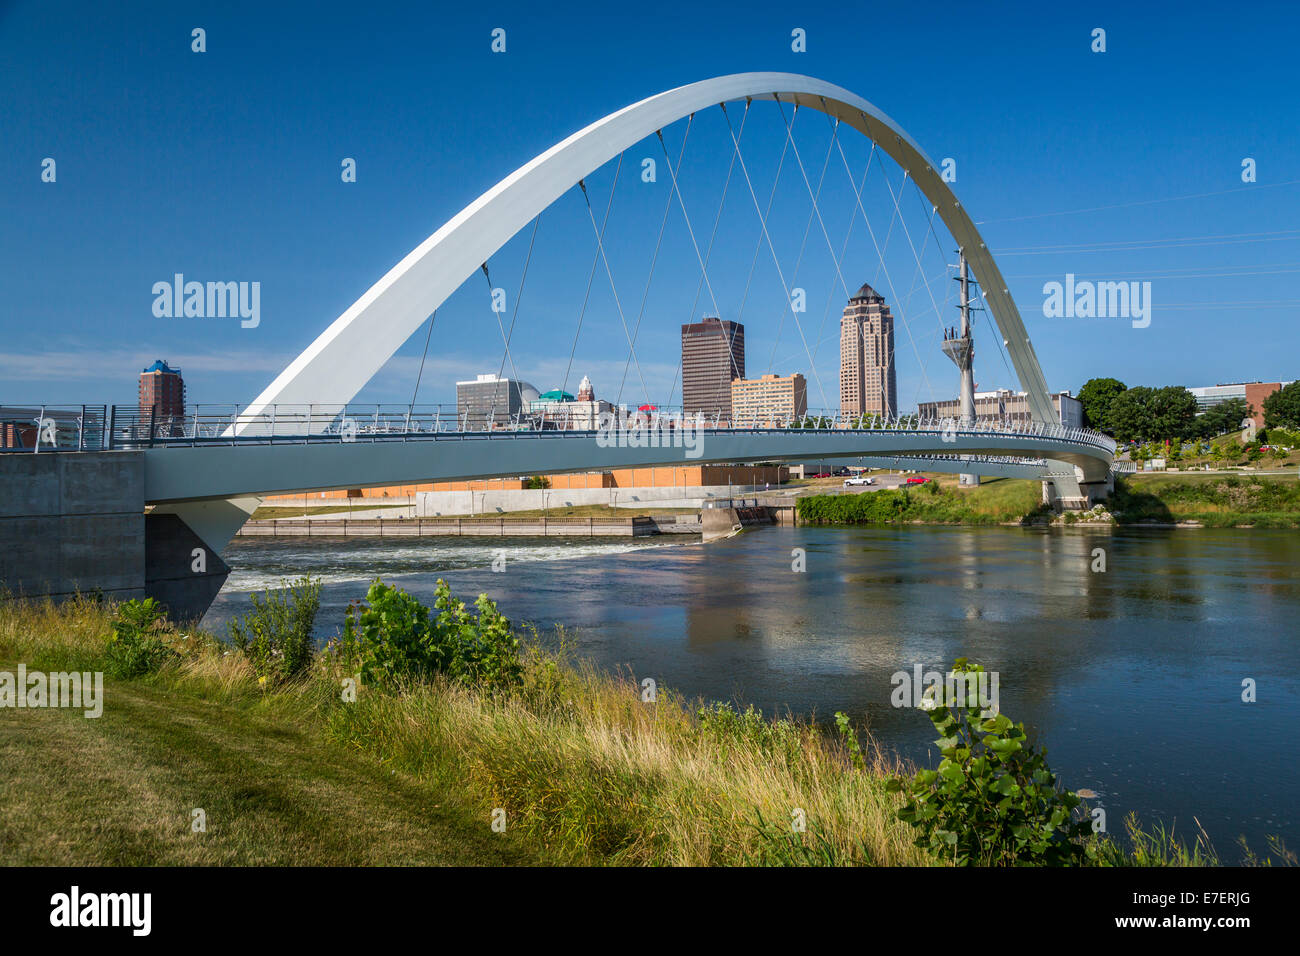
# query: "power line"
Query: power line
{"points": [[1142, 202]]}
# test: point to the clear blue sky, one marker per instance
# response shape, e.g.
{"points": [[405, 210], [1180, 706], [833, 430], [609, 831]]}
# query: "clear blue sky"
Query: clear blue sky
{"points": [[225, 166]]}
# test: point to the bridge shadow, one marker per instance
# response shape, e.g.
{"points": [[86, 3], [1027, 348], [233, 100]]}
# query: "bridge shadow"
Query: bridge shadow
{"points": [[1131, 506]]}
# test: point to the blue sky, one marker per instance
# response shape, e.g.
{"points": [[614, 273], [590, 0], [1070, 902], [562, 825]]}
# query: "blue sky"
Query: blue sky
{"points": [[1124, 165]]}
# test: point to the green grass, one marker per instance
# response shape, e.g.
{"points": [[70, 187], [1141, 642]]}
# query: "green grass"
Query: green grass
{"points": [[994, 501], [294, 775], [1214, 500]]}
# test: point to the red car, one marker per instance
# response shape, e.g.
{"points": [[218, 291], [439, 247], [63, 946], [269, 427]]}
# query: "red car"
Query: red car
{"points": [[917, 480]]}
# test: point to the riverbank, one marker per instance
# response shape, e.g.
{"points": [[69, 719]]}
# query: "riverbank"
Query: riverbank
{"points": [[1185, 500], [583, 767]]}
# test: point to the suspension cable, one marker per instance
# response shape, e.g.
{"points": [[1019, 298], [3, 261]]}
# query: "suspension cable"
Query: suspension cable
{"points": [[612, 286], [520, 294], [708, 252], [888, 278], [775, 261], [803, 243], [653, 260], [594, 262]]}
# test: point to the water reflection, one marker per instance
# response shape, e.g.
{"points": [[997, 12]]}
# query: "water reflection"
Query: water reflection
{"points": [[1131, 676]]}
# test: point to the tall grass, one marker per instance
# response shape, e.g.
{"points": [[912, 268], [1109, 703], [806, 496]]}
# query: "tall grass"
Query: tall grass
{"points": [[585, 769], [583, 765]]}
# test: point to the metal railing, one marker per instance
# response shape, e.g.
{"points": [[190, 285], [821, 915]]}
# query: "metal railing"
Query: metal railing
{"points": [[43, 428]]}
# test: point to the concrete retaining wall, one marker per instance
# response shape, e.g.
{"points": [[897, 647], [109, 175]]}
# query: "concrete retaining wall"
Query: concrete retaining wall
{"points": [[430, 504], [491, 527], [71, 522]]}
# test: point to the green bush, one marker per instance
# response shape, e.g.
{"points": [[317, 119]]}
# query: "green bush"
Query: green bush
{"points": [[275, 635], [136, 646], [392, 637], [992, 801]]}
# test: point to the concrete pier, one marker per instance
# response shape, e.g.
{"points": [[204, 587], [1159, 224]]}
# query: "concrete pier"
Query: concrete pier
{"points": [[75, 522], [72, 522]]}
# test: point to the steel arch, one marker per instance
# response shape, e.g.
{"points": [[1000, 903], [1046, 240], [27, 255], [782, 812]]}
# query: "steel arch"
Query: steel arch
{"points": [[344, 357]]}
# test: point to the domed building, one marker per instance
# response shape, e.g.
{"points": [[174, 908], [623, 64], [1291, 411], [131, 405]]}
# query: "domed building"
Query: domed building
{"points": [[558, 409]]}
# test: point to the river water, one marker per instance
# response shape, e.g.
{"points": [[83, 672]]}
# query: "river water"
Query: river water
{"points": [[1132, 677]]}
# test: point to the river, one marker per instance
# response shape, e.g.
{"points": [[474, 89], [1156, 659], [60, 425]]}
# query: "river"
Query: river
{"points": [[1132, 677]]}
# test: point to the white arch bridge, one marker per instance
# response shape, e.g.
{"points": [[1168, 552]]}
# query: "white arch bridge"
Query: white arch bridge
{"points": [[214, 486], [295, 436]]}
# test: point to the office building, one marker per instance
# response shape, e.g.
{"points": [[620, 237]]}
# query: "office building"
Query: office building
{"points": [[559, 410], [868, 381], [1004, 405], [768, 399], [490, 400], [1253, 393], [713, 356]]}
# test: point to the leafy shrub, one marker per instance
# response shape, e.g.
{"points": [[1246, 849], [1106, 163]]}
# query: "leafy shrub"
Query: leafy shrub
{"points": [[275, 635], [992, 801], [741, 730], [136, 646], [393, 637]]}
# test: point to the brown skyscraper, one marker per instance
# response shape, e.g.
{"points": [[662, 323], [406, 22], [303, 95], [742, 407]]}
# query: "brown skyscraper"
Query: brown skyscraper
{"points": [[867, 381], [163, 390], [713, 354]]}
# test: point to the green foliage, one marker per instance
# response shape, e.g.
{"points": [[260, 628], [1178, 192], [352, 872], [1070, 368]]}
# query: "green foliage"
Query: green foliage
{"points": [[1222, 418], [275, 635], [1153, 414], [777, 845], [746, 730], [992, 801], [850, 738], [1216, 501], [137, 645], [930, 503], [1282, 408], [537, 482], [392, 638], [1097, 396]]}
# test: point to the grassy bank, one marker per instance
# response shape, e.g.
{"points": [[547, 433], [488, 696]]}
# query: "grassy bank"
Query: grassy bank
{"points": [[295, 770], [1215, 501], [993, 501], [1218, 501]]}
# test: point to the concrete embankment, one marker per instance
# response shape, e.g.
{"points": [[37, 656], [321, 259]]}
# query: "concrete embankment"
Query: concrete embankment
{"points": [[503, 526], [723, 522]]}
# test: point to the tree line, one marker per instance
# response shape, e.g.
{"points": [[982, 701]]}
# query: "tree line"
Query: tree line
{"points": [[1147, 414]]}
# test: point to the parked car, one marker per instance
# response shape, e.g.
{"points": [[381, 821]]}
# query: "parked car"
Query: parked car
{"points": [[859, 480], [917, 480]]}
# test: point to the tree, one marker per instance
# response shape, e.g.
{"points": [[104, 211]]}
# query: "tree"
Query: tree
{"points": [[1153, 414], [1097, 397], [1222, 418], [1282, 408]]}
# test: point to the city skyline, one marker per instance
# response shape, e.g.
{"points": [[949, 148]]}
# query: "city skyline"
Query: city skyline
{"points": [[79, 311]]}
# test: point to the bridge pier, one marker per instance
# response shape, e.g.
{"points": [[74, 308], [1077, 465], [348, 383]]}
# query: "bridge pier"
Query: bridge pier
{"points": [[74, 523]]}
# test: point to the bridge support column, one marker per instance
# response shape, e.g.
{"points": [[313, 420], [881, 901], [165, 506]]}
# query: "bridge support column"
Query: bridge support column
{"points": [[72, 522]]}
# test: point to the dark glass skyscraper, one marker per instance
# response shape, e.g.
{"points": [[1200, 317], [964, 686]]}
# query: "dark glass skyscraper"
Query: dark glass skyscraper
{"points": [[713, 355]]}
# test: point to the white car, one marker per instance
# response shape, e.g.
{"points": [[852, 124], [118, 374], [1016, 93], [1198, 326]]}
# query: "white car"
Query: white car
{"points": [[859, 480]]}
